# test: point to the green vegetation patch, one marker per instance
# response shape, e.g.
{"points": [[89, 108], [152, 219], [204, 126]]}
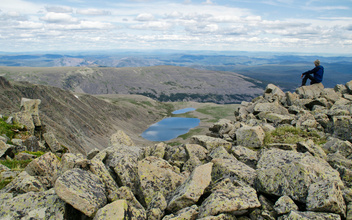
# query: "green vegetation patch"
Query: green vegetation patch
{"points": [[15, 164], [292, 135], [218, 112], [9, 130], [191, 133]]}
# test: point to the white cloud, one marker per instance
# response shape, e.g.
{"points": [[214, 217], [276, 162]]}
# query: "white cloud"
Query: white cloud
{"points": [[145, 17], [153, 25], [59, 9], [208, 2], [53, 17], [93, 11]]}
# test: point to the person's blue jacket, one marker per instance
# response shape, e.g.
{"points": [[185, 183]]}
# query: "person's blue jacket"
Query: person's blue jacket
{"points": [[318, 72]]}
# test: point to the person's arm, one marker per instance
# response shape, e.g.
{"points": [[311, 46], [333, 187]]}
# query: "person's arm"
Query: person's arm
{"points": [[310, 71]]}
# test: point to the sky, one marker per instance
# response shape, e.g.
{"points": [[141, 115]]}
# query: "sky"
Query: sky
{"points": [[308, 26]]}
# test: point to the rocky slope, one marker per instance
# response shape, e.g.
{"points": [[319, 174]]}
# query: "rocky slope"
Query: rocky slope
{"points": [[163, 83], [232, 173]]}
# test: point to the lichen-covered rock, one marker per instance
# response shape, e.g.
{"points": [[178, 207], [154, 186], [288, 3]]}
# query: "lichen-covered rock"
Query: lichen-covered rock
{"points": [[45, 168], [117, 210], [6, 149], [195, 150], [245, 155], [336, 145], [192, 189], [349, 86], [157, 175], [274, 107], [210, 143], [309, 146], [220, 152], [157, 207], [233, 169], [274, 90], [311, 91], [284, 205], [220, 217], [191, 164], [92, 153], [342, 126], [349, 211], [52, 142], [237, 200], [326, 196], [81, 189], [121, 138], [297, 215], [33, 205], [23, 183], [291, 173], [189, 213], [98, 168], [276, 118], [24, 156], [250, 136], [136, 210], [158, 150], [176, 155], [32, 144], [305, 120]]}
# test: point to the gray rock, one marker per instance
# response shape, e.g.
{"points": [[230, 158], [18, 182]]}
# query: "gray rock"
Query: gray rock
{"points": [[176, 155], [188, 193], [120, 138], [349, 86], [6, 150], [92, 153], [309, 146], [245, 155], [45, 168], [32, 144], [157, 207], [23, 183], [233, 169], [326, 196], [276, 118], [342, 89], [284, 205], [349, 211], [25, 156], [306, 120], [3, 168], [236, 200], [210, 143], [336, 145], [291, 173], [274, 90], [291, 98], [33, 205], [158, 150], [189, 213], [295, 215], [310, 92], [157, 175], [342, 127], [117, 210], [250, 136], [274, 107], [218, 125], [52, 142], [196, 150], [220, 152], [81, 189], [331, 95]]}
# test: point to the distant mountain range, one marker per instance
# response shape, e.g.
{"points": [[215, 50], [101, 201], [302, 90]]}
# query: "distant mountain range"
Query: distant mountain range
{"points": [[162, 83], [281, 69]]}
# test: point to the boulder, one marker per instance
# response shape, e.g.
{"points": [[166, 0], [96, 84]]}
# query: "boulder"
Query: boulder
{"points": [[210, 143], [349, 86], [188, 193], [291, 98], [291, 173], [52, 142], [25, 156], [98, 168], [342, 127], [157, 207], [233, 169], [331, 95], [117, 210], [6, 150], [309, 146], [45, 168], [81, 189], [189, 213], [336, 145], [295, 215], [176, 155], [157, 175], [250, 136], [218, 125], [121, 138], [284, 205], [275, 118], [32, 144], [274, 90], [158, 150], [310, 92], [326, 196], [342, 89], [274, 107], [92, 153], [196, 150], [33, 205], [245, 155], [235, 200], [23, 183], [220, 152]]}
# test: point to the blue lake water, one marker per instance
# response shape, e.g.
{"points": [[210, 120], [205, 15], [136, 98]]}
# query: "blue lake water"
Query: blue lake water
{"points": [[169, 128], [181, 111]]}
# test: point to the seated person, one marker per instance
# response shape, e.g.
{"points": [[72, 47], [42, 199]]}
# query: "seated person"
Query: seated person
{"points": [[317, 72]]}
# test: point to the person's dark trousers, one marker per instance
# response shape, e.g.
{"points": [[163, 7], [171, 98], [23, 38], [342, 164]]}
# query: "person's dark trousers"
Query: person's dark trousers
{"points": [[308, 76]]}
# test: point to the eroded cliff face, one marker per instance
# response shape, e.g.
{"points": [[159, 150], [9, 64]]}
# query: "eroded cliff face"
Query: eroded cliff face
{"points": [[231, 173], [81, 122]]}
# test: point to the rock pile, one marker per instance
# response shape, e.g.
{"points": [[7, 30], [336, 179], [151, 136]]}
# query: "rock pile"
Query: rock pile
{"points": [[232, 173]]}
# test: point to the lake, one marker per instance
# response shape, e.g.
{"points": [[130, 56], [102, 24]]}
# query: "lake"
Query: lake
{"points": [[170, 128]]}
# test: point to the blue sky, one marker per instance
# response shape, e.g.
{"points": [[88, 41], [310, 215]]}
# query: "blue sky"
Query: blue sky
{"points": [[259, 25]]}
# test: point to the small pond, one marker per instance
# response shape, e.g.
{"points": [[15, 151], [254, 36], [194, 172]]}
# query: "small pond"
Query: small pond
{"points": [[170, 128]]}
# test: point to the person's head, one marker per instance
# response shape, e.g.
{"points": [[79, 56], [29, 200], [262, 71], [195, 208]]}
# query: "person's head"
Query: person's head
{"points": [[317, 62]]}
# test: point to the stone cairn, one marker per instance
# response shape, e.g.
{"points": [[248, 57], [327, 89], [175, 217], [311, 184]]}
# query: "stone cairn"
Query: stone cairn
{"points": [[228, 174]]}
